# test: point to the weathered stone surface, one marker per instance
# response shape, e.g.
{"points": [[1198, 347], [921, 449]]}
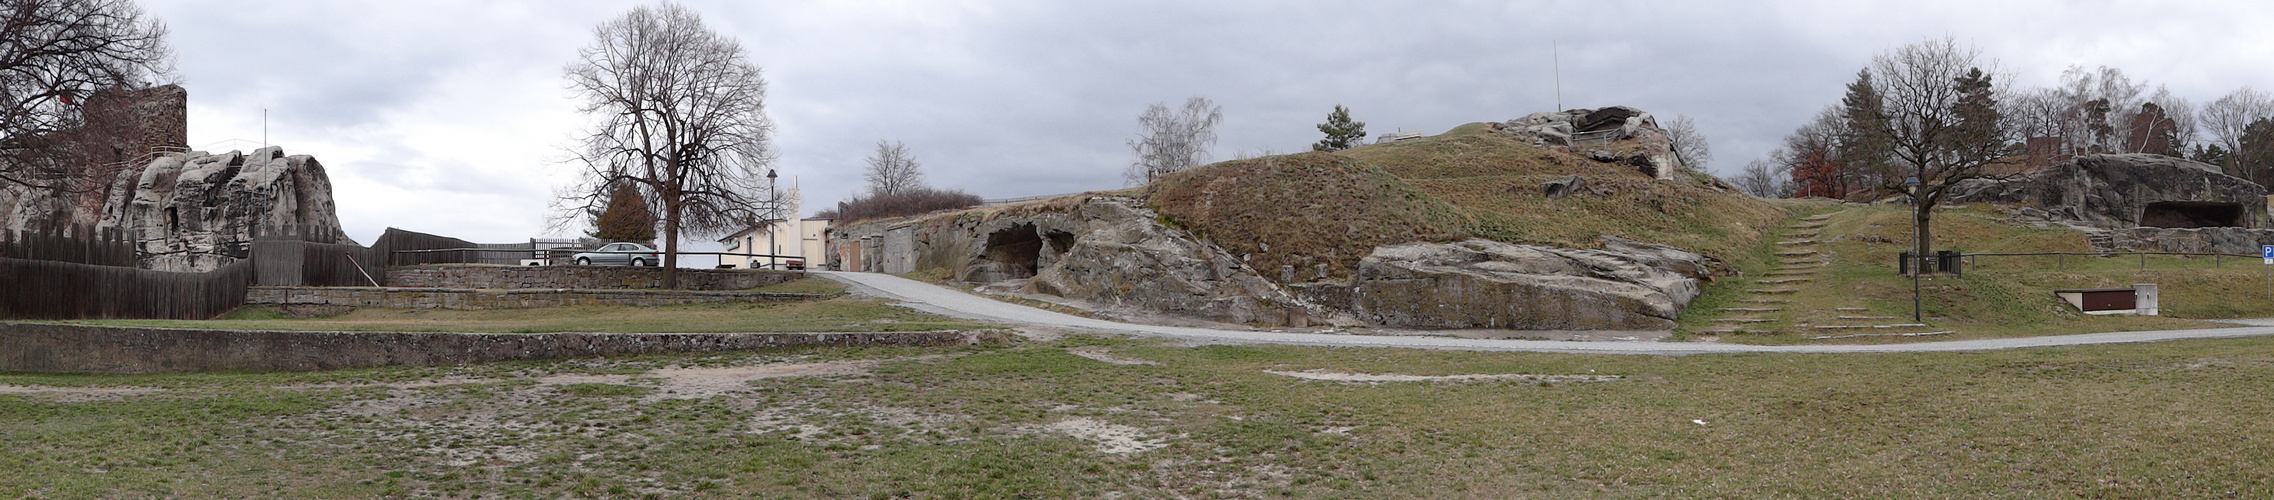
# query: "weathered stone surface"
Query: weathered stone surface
{"points": [[2226, 240], [473, 299], [1616, 134], [579, 277], [199, 211], [1488, 284], [1105, 250], [58, 347], [2121, 191]]}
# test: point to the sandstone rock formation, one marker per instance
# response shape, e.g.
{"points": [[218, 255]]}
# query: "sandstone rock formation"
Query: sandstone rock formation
{"points": [[1107, 251], [2122, 191], [1627, 285], [199, 211], [1617, 134]]}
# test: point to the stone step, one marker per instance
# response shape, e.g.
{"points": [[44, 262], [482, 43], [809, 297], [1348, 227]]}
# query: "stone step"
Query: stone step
{"points": [[1851, 309], [1735, 331], [1866, 317], [1741, 320], [1765, 301], [1796, 253], [1809, 234], [1874, 327], [1784, 281], [1909, 334], [1752, 309], [1813, 218], [1777, 290], [1800, 242], [1790, 272]]}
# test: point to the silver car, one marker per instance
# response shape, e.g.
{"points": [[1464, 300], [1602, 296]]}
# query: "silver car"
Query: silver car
{"points": [[620, 254]]}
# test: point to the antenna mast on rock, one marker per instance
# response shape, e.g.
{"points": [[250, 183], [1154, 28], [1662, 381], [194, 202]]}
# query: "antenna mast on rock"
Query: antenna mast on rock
{"points": [[1555, 51]]}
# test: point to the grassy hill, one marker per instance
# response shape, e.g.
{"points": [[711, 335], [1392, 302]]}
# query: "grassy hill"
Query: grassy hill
{"points": [[1309, 208]]}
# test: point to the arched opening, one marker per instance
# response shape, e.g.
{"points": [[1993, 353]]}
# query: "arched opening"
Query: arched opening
{"points": [[1014, 251], [2185, 214]]}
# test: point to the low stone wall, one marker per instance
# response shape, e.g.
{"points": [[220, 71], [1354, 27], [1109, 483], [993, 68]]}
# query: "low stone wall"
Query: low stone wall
{"points": [[461, 298], [585, 277], [56, 347]]}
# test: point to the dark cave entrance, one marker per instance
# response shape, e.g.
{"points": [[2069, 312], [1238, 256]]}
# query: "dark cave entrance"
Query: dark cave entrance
{"points": [[2185, 214], [1016, 251]]}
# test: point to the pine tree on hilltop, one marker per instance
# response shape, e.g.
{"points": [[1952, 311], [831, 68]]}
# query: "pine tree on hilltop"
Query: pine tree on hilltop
{"points": [[1341, 133]]}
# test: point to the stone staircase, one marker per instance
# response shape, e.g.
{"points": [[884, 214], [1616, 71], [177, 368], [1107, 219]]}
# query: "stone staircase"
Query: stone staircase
{"points": [[1798, 264], [1800, 261]]}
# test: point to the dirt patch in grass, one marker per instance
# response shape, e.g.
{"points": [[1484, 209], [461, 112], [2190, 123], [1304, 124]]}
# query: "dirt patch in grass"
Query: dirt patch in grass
{"points": [[1111, 439], [1339, 376], [77, 394], [1107, 356]]}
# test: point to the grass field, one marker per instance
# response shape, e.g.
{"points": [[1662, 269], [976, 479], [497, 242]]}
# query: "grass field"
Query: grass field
{"points": [[1996, 297], [1047, 419]]}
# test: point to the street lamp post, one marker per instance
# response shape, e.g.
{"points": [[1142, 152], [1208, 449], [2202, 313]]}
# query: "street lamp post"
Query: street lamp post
{"points": [[1919, 259], [773, 210]]}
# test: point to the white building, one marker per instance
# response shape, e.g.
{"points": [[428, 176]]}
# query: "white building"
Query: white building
{"points": [[780, 244]]}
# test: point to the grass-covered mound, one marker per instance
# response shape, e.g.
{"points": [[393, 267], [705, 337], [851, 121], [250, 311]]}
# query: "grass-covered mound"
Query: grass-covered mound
{"points": [[1302, 209], [1309, 208]]}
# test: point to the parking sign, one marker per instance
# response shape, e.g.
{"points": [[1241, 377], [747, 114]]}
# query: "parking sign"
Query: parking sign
{"points": [[2267, 251]]}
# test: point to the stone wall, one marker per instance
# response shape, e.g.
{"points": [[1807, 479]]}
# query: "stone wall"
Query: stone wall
{"points": [[579, 277], [466, 298], [55, 347]]}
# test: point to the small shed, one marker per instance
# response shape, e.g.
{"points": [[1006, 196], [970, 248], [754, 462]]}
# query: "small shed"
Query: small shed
{"points": [[2139, 299]]}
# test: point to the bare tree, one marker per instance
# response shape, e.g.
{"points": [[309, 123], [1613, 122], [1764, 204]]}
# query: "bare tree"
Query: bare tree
{"points": [[1941, 122], [1764, 179], [1169, 141], [893, 171], [53, 55], [2225, 119], [1810, 158], [681, 115], [1689, 144]]}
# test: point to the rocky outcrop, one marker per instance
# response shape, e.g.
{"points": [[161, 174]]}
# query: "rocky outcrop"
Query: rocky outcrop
{"points": [[2226, 240], [2122, 191], [1627, 285], [199, 211], [1617, 134], [1107, 251]]}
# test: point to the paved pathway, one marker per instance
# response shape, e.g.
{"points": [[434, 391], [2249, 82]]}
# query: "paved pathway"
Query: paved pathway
{"points": [[941, 300]]}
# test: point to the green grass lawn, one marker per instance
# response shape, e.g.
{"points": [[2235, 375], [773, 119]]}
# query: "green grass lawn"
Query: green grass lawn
{"points": [[1997, 296], [1024, 420]]}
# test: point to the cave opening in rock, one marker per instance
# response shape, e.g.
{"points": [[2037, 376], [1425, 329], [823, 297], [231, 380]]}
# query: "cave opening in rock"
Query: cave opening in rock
{"points": [[1015, 250], [2183, 214]]}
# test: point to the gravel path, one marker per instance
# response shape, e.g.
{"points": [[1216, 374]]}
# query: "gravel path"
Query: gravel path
{"points": [[941, 300]]}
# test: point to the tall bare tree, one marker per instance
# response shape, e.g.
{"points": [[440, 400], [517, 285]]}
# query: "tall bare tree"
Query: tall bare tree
{"points": [[893, 170], [1169, 141], [2225, 118], [1689, 144], [1764, 179], [681, 115], [53, 55], [1941, 122]]}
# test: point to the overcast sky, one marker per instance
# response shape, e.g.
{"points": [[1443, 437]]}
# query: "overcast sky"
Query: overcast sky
{"points": [[450, 117]]}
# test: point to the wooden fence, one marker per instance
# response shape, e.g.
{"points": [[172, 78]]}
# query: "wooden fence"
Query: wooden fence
{"points": [[46, 289], [79, 244], [398, 246], [304, 263]]}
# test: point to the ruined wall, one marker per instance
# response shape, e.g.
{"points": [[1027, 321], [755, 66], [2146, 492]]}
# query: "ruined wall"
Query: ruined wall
{"points": [[465, 298], [579, 277], [56, 347]]}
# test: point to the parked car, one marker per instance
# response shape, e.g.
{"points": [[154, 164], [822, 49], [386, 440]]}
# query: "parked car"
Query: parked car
{"points": [[620, 254]]}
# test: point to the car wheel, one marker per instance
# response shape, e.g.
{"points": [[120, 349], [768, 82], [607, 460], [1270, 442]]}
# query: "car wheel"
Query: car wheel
{"points": [[639, 262], [583, 261]]}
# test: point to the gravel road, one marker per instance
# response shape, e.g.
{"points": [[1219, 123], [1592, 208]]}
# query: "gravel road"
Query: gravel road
{"points": [[941, 300]]}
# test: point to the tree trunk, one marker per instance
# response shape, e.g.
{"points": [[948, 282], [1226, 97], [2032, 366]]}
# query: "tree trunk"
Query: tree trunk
{"points": [[671, 244], [1922, 216]]}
